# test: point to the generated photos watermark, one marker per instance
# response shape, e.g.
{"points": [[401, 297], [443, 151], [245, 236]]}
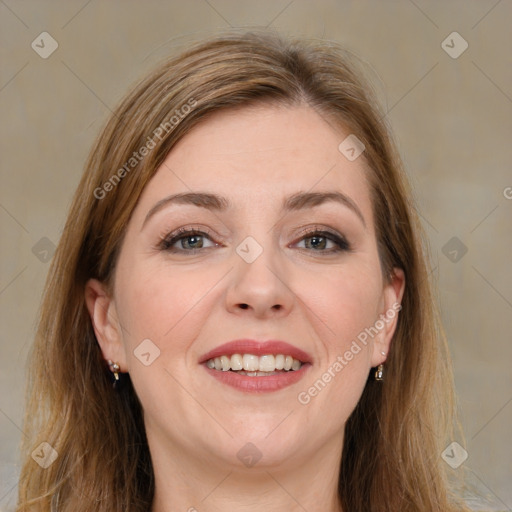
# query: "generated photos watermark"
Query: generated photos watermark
{"points": [[144, 150], [304, 397]]}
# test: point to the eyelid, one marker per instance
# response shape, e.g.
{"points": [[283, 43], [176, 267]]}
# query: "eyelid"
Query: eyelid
{"points": [[168, 239], [340, 240], [318, 228], [174, 236]]}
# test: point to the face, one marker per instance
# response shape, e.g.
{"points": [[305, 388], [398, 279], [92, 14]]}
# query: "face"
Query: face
{"points": [[251, 260]]}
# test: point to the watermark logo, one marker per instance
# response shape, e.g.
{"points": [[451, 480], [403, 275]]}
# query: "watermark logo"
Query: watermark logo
{"points": [[454, 45], [44, 45], [454, 455], [454, 249], [351, 148], [249, 249], [43, 249], [146, 352], [249, 454], [45, 455], [143, 151], [304, 397]]}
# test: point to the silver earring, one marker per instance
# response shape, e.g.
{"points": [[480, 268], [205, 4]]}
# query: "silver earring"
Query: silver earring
{"points": [[114, 368]]}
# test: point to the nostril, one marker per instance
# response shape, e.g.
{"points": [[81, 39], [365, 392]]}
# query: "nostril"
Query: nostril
{"points": [[246, 306]]}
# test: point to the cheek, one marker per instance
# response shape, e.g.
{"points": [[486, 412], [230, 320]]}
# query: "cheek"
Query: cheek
{"points": [[162, 303], [346, 300], [167, 306]]}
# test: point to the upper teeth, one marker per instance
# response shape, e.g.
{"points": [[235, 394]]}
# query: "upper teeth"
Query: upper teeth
{"points": [[252, 363]]}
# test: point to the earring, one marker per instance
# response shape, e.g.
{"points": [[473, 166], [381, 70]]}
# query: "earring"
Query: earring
{"points": [[114, 368], [379, 373]]}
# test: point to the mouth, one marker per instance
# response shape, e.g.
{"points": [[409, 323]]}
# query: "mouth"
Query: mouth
{"points": [[249, 365], [253, 365]]}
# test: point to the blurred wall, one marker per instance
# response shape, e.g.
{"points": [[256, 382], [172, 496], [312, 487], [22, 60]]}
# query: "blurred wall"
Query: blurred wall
{"points": [[450, 107]]}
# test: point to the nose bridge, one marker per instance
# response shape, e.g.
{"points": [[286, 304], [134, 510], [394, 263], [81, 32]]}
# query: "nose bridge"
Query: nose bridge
{"points": [[259, 280]]}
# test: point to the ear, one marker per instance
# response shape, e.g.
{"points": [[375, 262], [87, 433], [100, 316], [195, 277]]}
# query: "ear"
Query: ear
{"points": [[388, 318], [107, 329]]}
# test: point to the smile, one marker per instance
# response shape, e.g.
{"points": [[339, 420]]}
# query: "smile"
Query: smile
{"points": [[256, 366], [257, 374], [250, 364]]}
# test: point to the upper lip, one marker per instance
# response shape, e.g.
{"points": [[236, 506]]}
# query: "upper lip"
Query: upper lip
{"points": [[257, 348]]}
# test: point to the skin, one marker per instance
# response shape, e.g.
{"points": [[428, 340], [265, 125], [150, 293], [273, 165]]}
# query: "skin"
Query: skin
{"points": [[189, 303]]}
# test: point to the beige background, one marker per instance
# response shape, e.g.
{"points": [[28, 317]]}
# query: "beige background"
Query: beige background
{"points": [[452, 118]]}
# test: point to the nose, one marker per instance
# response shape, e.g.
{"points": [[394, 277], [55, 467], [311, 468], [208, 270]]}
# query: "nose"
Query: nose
{"points": [[260, 288]]}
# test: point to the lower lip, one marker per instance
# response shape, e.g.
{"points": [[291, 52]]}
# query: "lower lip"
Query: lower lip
{"points": [[259, 384]]}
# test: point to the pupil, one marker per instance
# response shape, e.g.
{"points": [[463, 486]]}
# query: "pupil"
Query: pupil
{"points": [[318, 242], [192, 240]]}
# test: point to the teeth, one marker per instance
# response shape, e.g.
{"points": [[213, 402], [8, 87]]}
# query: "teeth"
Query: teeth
{"points": [[258, 374], [225, 361], [249, 364], [237, 362], [268, 363], [296, 365]]}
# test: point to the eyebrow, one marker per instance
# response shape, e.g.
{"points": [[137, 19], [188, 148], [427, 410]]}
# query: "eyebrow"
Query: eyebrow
{"points": [[298, 201]]}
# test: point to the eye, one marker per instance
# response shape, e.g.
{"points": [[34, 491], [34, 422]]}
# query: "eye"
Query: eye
{"points": [[324, 242], [186, 240]]}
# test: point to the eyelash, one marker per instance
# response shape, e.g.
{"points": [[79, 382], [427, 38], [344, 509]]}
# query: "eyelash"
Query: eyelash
{"points": [[169, 240]]}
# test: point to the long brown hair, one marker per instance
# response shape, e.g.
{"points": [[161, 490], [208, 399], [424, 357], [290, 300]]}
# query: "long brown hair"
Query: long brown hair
{"points": [[391, 457]]}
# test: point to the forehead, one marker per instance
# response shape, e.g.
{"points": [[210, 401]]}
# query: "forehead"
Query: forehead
{"points": [[261, 154]]}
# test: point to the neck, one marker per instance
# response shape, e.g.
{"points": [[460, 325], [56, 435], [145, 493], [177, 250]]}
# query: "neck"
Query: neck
{"points": [[196, 483]]}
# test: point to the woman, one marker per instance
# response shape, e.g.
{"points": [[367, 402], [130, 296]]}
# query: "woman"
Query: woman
{"points": [[238, 315]]}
